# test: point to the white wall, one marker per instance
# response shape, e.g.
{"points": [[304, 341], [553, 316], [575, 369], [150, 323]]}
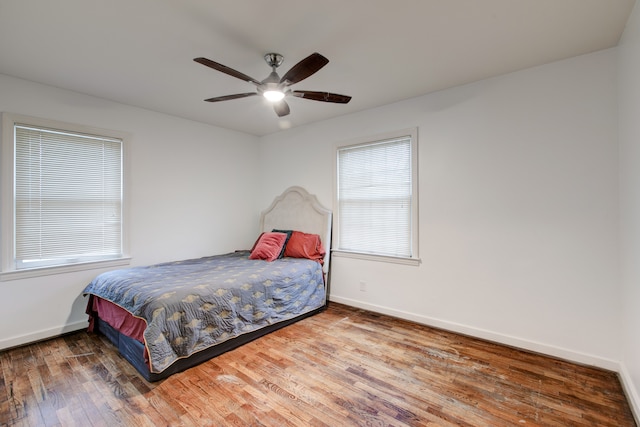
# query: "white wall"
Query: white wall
{"points": [[629, 113], [518, 208], [191, 195]]}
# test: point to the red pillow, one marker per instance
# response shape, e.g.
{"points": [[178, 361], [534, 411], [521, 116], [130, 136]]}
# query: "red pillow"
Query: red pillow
{"points": [[268, 246], [304, 245]]}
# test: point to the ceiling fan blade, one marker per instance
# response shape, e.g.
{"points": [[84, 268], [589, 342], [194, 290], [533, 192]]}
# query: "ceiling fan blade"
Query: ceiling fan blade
{"points": [[321, 96], [305, 68], [281, 108], [228, 97], [226, 70]]}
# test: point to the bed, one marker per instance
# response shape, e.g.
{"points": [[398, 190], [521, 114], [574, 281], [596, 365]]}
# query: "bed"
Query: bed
{"points": [[168, 317]]}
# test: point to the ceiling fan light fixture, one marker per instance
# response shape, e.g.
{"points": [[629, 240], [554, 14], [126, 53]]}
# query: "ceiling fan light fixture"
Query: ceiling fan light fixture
{"points": [[273, 95]]}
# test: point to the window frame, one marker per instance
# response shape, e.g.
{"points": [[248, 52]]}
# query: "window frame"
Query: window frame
{"points": [[415, 235], [8, 270]]}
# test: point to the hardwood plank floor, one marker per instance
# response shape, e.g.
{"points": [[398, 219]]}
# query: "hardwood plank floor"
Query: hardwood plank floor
{"points": [[342, 367]]}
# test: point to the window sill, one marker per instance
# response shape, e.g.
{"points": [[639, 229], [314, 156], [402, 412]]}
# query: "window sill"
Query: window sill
{"points": [[379, 258], [47, 271]]}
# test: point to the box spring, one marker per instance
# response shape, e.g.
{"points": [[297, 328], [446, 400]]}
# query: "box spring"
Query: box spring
{"points": [[133, 350]]}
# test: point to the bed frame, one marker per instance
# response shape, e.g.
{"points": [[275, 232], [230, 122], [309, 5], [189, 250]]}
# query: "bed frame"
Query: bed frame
{"points": [[294, 209]]}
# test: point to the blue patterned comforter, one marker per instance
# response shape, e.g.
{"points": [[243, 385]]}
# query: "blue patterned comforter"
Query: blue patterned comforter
{"points": [[195, 304]]}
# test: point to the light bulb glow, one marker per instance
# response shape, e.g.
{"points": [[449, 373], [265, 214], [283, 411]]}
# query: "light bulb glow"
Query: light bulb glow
{"points": [[273, 95]]}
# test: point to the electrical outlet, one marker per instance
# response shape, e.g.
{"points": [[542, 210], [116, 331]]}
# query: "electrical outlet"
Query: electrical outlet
{"points": [[363, 286]]}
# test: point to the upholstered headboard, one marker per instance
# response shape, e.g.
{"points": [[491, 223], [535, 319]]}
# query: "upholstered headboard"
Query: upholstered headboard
{"points": [[296, 209]]}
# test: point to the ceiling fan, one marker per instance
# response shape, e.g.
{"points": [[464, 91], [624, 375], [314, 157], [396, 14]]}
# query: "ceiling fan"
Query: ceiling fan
{"points": [[274, 88]]}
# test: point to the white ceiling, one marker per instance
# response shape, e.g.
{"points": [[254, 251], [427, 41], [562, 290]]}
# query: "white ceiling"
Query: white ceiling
{"points": [[140, 52]]}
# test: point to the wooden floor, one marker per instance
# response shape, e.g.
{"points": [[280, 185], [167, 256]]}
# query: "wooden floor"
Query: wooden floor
{"points": [[341, 367]]}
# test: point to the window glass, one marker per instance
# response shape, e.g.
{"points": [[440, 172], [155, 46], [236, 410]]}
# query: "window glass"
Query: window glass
{"points": [[64, 204], [376, 197], [68, 197]]}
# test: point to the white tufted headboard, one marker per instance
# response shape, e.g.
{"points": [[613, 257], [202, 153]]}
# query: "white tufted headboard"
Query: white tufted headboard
{"points": [[296, 209]]}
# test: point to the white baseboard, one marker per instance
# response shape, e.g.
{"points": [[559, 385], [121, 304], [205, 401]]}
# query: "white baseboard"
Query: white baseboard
{"points": [[630, 392], [559, 352], [42, 335]]}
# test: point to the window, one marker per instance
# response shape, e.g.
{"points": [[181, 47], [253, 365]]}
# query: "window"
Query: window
{"points": [[65, 192], [377, 198]]}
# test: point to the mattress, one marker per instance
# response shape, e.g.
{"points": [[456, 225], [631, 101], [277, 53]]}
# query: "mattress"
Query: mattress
{"points": [[194, 305]]}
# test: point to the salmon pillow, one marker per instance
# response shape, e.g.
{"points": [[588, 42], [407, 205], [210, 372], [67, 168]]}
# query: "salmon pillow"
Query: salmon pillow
{"points": [[268, 246], [288, 233], [305, 245]]}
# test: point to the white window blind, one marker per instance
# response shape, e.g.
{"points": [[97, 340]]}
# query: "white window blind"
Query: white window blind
{"points": [[375, 198], [68, 197]]}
